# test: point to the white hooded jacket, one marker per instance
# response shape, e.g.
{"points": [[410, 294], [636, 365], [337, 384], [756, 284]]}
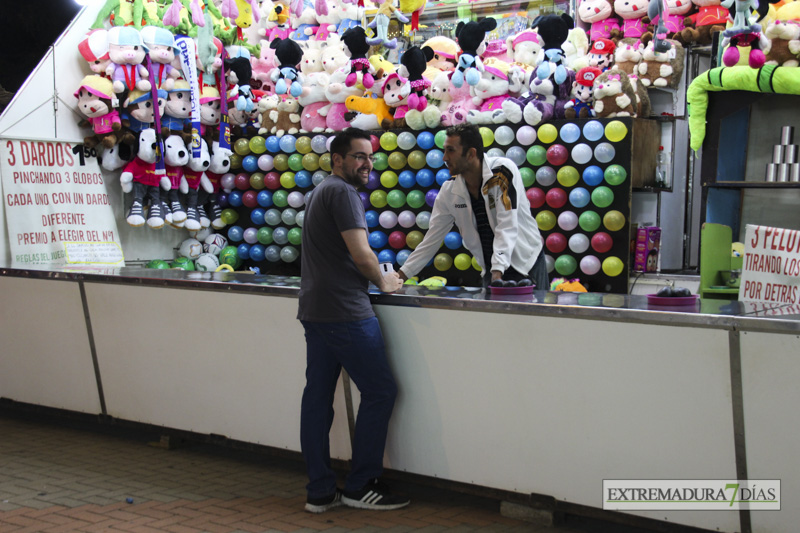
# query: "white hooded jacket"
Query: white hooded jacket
{"points": [[517, 241]]}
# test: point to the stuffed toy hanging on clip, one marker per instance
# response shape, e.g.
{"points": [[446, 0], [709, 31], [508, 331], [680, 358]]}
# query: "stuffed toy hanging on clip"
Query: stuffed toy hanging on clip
{"points": [[381, 24], [288, 55], [471, 37], [356, 46]]}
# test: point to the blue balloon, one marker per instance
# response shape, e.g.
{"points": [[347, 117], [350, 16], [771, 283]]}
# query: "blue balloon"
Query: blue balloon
{"points": [[435, 158], [374, 180], [372, 218], [235, 198], [273, 253], [303, 179], [570, 132], [243, 251], [222, 200], [287, 143], [406, 179], [257, 216], [579, 197], [593, 130], [401, 256], [257, 252], [377, 239], [364, 200], [453, 240], [280, 235], [592, 175], [425, 177], [442, 176], [250, 163], [235, 233], [425, 140], [264, 198], [386, 256], [273, 145], [516, 154]]}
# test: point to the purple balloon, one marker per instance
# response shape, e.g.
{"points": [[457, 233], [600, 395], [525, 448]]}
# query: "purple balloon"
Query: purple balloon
{"points": [[430, 196], [227, 181], [222, 199], [250, 235], [374, 180], [365, 200]]}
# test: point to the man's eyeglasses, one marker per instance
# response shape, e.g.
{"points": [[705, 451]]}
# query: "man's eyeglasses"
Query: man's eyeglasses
{"points": [[362, 158]]}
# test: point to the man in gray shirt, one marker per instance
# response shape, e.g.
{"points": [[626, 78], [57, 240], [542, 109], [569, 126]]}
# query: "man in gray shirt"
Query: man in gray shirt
{"points": [[342, 331]]}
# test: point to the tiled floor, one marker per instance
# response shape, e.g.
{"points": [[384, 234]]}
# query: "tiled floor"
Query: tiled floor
{"points": [[60, 479]]}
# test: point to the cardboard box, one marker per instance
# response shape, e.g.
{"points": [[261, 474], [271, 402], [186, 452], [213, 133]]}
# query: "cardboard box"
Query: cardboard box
{"points": [[647, 248]]}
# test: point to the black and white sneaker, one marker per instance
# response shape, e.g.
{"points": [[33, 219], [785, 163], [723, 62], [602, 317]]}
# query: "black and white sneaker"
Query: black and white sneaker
{"points": [[320, 505], [376, 496]]}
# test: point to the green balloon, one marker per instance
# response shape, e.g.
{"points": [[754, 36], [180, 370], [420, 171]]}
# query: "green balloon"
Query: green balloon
{"points": [[158, 264], [229, 256], [396, 198], [381, 161], [264, 235], [602, 197], [537, 155], [589, 221], [295, 236], [615, 174], [439, 138], [280, 198], [229, 216], [566, 265], [183, 263], [415, 199], [296, 162], [528, 176]]}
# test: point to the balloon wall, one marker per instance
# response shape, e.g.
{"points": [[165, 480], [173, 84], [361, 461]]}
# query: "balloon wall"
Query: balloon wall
{"points": [[576, 174]]}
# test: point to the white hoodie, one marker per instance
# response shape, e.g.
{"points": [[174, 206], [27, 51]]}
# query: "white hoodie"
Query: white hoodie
{"points": [[517, 241]]}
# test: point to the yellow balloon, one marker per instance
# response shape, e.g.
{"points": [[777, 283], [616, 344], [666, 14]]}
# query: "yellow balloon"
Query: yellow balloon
{"points": [[325, 162], [311, 162], [475, 265], [547, 133], [616, 131], [303, 145], [416, 159], [442, 262], [567, 176], [546, 220], [462, 261], [614, 220], [397, 160], [281, 162], [414, 238], [236, 161], [612, 266]]}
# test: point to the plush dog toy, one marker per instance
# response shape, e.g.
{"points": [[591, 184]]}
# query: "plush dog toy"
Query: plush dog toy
{"points": [[139, 176], [356, 46], [288, 55], [471, 37], [175, 157], [193, 178]]}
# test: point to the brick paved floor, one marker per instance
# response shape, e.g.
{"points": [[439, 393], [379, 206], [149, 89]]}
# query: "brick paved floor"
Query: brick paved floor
{"points": [[60, 479]]}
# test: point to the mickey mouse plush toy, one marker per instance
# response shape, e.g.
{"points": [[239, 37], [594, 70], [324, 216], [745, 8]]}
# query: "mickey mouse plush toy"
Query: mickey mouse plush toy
{"points": [[554, 30], [471, 38], [288, 55], [239, 73]]}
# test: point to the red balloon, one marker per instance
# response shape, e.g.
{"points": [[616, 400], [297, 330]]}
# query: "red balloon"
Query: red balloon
{"points": [[397, 240], [376, 143], [242, 181], [602, 242], [557, 155], [272, 181], [250, 199], [556, 243], [556, 198], [535, 197]]}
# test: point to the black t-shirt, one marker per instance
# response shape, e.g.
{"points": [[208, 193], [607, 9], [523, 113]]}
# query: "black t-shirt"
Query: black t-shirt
{"points": [[332, 289], [484, 230]]}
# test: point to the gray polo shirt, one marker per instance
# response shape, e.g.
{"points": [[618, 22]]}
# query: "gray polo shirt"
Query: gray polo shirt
{"points": [[331, 288]]}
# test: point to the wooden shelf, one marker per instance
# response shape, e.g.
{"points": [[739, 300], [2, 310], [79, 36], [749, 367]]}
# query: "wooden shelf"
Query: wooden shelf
{"points": [[753, 185]]}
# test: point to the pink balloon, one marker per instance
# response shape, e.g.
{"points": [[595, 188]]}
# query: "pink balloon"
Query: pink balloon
{"points": [[227, 181], [407, 219], [557, 155], [590, 265], [397, 239], [265, 162], [536, 197]]}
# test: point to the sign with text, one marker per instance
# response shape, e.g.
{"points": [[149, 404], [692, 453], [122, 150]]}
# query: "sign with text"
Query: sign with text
{"points": [[57, 209], [771, 267]]}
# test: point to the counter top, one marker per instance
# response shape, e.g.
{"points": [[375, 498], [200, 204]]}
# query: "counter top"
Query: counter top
{"points": [[707, 313]]}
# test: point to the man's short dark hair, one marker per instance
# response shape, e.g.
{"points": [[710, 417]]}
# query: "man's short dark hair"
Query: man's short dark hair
{"points": [[341, 143], [470, 137]]}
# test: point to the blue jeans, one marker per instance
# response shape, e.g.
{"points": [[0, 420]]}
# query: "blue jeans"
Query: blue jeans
{"points": [[358, 347]]}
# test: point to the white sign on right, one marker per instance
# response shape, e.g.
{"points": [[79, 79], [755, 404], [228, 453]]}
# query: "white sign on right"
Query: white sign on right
{"points": [[771, 268]]}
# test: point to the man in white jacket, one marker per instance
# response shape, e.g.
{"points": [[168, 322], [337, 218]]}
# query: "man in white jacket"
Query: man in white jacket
{"points": [[486, 199]]}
